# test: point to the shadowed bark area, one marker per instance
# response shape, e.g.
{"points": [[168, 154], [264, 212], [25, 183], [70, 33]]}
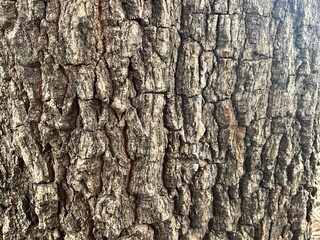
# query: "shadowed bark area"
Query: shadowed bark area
{"points": [[167, 119]]}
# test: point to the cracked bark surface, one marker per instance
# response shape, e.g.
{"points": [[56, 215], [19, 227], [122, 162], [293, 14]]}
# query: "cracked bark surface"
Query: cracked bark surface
{"points": [[143, 119]]}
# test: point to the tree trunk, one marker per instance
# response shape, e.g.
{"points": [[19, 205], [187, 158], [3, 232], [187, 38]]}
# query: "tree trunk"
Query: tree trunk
{"points": [[167, 119]]}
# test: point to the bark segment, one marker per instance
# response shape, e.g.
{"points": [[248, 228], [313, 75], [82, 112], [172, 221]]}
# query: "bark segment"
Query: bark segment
{"points": [[158, 119]]}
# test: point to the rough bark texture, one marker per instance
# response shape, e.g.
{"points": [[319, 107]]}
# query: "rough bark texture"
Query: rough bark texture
{"points": [[158, 119]]}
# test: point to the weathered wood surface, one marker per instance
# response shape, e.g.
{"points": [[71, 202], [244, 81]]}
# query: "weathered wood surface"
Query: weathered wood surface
{"points": [[167, 119]]}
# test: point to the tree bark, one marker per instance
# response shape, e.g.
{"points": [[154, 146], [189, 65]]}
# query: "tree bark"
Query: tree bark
{"points": [[167, 119]]}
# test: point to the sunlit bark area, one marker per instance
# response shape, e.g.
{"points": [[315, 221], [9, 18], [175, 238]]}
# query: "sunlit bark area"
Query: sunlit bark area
{"points": [[158, 119]]}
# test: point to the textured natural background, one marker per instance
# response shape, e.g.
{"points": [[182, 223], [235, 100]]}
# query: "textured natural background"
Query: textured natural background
{"points": [[158, 119]]}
